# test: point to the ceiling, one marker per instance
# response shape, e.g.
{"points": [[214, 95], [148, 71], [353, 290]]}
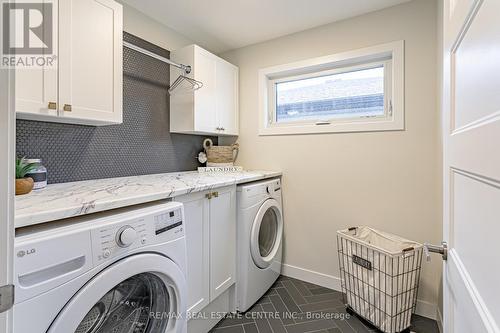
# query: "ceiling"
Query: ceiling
{"points": [[222, 25]]}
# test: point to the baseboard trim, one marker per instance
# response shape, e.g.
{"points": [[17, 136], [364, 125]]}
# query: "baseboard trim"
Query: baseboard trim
{"points": [[439, 320], [324, 280], [424, 308]]}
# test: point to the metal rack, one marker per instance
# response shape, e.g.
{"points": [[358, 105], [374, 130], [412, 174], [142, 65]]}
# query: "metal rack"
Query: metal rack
{"points": [[185, 68]]}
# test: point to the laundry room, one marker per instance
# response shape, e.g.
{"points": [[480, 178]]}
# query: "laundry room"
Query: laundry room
{"points": [[249, 166]]}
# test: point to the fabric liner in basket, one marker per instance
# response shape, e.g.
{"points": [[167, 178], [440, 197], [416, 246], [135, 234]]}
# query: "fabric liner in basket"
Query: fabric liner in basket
{"points": [[383, 241]]}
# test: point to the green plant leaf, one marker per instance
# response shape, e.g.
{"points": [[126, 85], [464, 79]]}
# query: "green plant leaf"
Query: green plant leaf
{"points": [[23, 168]]}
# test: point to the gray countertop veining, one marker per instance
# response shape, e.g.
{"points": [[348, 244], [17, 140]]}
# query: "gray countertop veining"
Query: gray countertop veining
{"points": [[59, 201]]}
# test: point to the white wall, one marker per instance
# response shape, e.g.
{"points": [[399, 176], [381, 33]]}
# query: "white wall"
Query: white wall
{"points": [[153, 31], [388, 180]]}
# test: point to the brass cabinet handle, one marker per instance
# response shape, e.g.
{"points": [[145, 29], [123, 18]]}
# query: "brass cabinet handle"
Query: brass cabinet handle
{"points": [[52, 106], [67, 107], [212, 195]]}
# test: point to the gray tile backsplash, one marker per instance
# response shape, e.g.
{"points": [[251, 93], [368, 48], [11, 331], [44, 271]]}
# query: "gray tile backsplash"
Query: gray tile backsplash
{"points": [[141, 145]]}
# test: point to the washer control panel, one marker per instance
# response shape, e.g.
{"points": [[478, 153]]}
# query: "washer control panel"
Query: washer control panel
{"points": [[138, 230], [167, 221]]}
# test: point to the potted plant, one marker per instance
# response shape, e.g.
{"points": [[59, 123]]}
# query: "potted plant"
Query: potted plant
{"points": [[24, 184]]}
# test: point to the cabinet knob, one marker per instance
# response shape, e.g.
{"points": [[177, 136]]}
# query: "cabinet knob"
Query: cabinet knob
{"points": [[52, 106], [67, 107], [215, 194], [208, 196]]}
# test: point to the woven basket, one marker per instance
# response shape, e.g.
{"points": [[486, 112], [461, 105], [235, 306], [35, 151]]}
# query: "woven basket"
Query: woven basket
{"points": [[220, 155]]}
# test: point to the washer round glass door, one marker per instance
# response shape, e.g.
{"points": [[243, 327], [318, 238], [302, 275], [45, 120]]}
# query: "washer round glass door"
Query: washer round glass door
{"points": [[267, 230], [143, 293]]}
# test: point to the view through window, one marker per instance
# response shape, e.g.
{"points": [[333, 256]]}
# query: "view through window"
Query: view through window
{"points": [[357, 93]]}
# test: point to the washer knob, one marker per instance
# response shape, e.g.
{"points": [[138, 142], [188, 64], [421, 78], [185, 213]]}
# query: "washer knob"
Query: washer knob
{"points": [[106, 253], [126, 236], [269, 189]]}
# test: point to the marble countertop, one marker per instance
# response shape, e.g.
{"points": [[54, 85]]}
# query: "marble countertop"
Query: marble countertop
{"points": [[59, 201]]}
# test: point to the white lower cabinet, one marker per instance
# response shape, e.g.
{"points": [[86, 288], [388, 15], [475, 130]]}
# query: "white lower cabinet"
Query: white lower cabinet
{"points": [[196, 210], [222, 241], [211, 244]]}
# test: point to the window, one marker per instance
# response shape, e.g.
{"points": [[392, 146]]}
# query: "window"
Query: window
{"points": [[354, 91]]}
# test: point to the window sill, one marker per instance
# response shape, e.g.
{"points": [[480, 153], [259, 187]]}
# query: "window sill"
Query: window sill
{"points": [[334, 127]]}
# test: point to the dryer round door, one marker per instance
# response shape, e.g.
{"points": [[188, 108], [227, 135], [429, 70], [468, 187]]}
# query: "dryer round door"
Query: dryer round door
{"points": [[267, 230], [143, 293]]}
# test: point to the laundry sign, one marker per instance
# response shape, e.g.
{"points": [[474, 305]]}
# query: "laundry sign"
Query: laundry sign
{"points": [[362, 262]]}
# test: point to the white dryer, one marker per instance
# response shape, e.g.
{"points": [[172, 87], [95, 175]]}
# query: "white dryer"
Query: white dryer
{"points": [[260, 231], [121, 271]]}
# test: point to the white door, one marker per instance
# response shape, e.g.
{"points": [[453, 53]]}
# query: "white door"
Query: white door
{"points": [[471, 131], [7, 157], [222, 241], [196, 211], [267, 230], [141, 293], [90, 60], [227, 97]]}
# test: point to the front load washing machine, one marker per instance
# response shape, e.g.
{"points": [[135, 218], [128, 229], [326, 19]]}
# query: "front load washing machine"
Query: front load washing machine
{"points": [[121, 271], [260, 231]]}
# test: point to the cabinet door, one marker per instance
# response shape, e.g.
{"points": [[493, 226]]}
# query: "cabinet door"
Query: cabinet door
{"points": [[196, 210], [36, 88], [222, 241], [227, 97], [90, 61], [205, 115]]}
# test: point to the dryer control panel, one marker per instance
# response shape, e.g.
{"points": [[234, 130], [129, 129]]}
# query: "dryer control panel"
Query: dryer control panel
{"points": [[154, 227], [254, 193]]}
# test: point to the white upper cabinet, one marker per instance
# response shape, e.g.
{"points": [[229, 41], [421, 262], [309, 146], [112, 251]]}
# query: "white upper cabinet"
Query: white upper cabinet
{"points": [[227, 96], [213, 109], [87, 85]]}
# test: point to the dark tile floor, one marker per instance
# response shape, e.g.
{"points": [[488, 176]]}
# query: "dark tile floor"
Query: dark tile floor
{"points": [[317, 309]]}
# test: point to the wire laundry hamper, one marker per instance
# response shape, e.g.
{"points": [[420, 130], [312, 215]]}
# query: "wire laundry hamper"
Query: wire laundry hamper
{"points": [[380, 274]]}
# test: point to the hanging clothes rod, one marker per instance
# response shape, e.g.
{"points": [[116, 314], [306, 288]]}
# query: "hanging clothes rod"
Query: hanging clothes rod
{"points": [[185, 68]]}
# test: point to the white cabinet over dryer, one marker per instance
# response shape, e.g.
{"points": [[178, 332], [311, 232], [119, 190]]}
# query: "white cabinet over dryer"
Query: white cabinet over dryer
{"points": [[212, 109], [85, 85]]}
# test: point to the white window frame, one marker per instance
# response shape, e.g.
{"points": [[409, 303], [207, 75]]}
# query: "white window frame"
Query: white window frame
{"points": [[390, 55]]}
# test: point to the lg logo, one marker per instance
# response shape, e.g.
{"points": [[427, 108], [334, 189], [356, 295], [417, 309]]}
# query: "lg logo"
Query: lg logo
{"points": [[22, 253], [27, 28]]}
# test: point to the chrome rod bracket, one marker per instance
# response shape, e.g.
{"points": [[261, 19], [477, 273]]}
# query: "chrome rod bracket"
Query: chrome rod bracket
{"points": [[186, 68]]}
